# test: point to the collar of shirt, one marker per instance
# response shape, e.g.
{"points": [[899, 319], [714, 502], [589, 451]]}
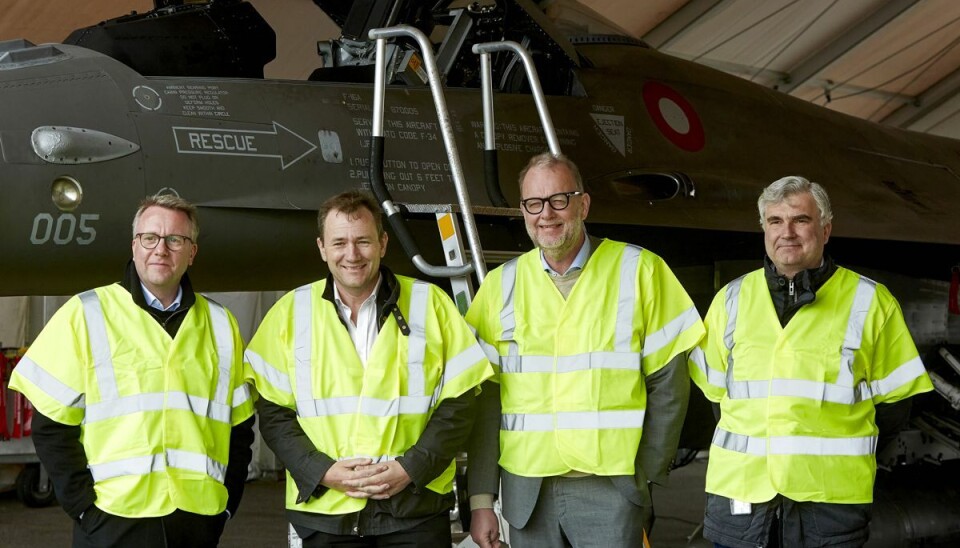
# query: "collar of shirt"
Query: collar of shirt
{"points": [[364, 332], [578, 261], [154, 302]]}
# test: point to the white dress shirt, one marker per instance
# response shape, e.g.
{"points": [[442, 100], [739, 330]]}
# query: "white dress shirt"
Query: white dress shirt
{"points": [[364, 332]]}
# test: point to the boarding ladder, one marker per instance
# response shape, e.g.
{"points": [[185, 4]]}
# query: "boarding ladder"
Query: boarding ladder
{"points": [[456, 269]]}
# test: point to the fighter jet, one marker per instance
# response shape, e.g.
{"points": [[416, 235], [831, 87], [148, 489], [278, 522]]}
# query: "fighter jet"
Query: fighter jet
{"points": [[674, 154]]}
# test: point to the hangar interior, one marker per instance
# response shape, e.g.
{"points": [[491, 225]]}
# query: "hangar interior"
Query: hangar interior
{"points": [[893, 62]]}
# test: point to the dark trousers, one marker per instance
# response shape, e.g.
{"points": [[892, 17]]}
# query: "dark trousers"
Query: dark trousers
{"points": [[785, 523], [435, 532], [180, 529]]}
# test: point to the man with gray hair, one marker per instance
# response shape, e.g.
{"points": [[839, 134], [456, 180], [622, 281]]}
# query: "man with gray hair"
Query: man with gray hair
{"points": [[810, 364], [143, 419]]}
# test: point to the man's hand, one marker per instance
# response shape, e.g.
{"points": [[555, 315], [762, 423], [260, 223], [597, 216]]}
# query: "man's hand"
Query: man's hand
{"points": [[349, 474], [389, 479], [485, 528]]}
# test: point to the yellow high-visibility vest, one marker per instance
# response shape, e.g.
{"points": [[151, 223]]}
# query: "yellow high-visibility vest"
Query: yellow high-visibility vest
{"points": [[155, 412], [572, 371], [303, 358], [797, 402]]}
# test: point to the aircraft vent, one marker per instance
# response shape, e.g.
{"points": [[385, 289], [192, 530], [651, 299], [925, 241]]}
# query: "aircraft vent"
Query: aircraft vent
{"points": [[16, 54], [652, 186]]}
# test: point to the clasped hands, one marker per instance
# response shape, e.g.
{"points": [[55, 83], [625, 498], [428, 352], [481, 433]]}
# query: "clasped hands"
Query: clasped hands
{"points": [[361, 478]]}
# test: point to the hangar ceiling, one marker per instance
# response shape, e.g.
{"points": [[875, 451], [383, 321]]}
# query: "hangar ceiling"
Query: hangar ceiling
{"points": [[895, 62]]}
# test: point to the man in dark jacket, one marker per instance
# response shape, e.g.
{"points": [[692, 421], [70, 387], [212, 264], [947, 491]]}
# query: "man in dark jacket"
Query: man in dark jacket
{"points": [[367, 383], [142, 417], [810, 364]]}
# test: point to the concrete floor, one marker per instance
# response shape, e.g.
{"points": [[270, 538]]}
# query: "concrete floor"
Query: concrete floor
{"points": [[260, 522]]}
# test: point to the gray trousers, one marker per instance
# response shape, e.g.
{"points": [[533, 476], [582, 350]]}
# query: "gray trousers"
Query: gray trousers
{"points": [[583, 513]]}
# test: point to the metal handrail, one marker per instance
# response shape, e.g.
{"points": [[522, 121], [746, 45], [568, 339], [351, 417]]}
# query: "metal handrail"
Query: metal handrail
{"points": [[456, 170], [484, 50]]}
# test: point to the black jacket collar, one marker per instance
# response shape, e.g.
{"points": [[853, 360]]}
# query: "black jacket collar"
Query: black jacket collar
{"points": [[387, 297], [169, 320], [804, 287]]}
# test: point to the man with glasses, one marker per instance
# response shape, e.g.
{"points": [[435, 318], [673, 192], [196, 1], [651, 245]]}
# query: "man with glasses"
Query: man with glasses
{"points": [[143, 420], [589, 337], [811, 366]]}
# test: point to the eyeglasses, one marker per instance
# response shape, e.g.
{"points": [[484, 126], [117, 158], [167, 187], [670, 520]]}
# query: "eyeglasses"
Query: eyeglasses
{"points": [[558, 202], [174, 242]]}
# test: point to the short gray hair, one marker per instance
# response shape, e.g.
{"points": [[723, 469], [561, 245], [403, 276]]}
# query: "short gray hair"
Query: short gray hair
{"points": [[170, 201], [547, 160], [780, 189]]}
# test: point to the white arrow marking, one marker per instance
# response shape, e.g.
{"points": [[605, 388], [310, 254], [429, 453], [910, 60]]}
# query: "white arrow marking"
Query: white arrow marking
{"points": [[236, 142]]}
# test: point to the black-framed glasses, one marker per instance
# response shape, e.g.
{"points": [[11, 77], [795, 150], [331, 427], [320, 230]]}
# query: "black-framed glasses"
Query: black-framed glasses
{"points": [[150, 240], [558, 202]]}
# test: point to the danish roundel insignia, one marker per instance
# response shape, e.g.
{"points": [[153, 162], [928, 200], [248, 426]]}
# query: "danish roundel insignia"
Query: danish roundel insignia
{"points": [[674, 116]]}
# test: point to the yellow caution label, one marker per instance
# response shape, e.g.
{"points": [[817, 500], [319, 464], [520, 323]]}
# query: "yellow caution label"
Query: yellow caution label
{"points": [[445, 222]]}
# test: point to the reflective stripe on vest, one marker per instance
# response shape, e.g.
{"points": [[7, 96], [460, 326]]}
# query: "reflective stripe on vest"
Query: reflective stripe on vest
{"points": [[141, 466], [842, 391], [377, 459], [112, 405], [303, 345], [794, 445], [627, 299], [241, 395], [571, 420], [567, 364], [854, 333], [621, 358], [223, 336], [671, 331], [732, 304], [99, 345], [157, 401], [455, 366], [374, 407], [508, 323], [908, 372], [463, 361], [417, 339], [714, 377], [49, 384], [265, 370], [416, 402]]}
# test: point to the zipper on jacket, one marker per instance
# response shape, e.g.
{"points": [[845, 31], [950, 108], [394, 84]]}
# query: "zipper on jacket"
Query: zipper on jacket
{"points": [[177, 312]]}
